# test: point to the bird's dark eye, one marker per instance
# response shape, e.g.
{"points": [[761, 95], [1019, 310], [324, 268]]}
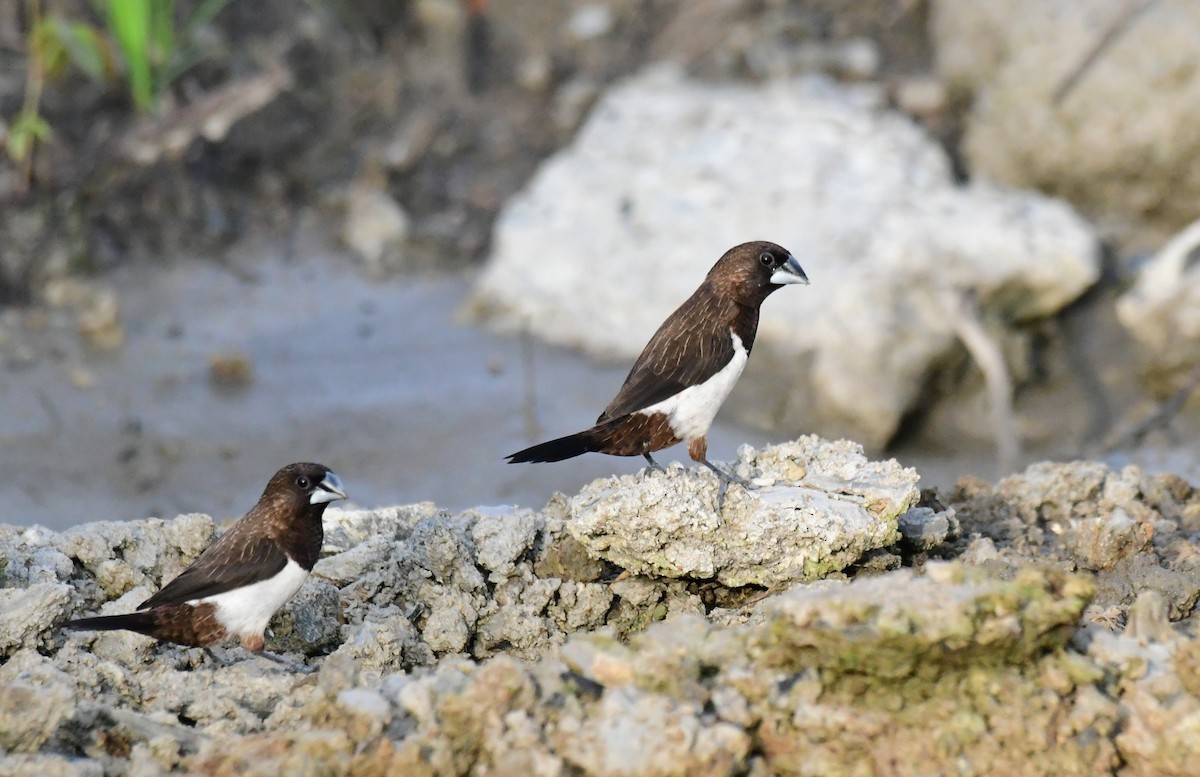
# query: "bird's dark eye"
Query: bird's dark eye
{"points": [[766, 258], [303, 482]]}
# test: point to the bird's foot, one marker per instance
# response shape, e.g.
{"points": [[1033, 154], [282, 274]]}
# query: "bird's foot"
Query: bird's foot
{"points": [[230, 658], [284, 661], [214, 659], [726, 479], [654, 465]]}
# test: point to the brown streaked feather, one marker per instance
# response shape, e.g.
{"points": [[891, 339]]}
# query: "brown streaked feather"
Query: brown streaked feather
{"points": [[280, 526], [284, 524], [241, 556], [182, 624], [186, 624], [691, 346], [633, 435]]}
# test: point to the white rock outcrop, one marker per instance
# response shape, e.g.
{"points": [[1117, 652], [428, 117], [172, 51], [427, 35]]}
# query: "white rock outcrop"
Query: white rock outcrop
{"points": [[1162, 310], [617, 230], [1110, 127], [818, 507]]}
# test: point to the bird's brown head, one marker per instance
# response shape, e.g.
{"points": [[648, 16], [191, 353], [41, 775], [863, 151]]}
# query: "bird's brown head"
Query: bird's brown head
{"points": [[751, 271], [303, 489]]}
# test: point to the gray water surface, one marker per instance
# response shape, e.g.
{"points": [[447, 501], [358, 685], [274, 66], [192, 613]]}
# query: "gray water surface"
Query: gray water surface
{"points": [[372, 378]]}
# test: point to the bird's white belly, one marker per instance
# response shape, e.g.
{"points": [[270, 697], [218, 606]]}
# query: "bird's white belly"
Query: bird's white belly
{"points": [[691, 411], [247, 610]]}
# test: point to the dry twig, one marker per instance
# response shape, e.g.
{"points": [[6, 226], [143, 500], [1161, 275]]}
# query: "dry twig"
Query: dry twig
{"points": [[1118, 27], [963, 310], [1160, 419], [529, 406]]}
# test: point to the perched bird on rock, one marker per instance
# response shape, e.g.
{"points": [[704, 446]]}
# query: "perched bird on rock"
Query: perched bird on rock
{"points": [[244, 577], [689, 366]]}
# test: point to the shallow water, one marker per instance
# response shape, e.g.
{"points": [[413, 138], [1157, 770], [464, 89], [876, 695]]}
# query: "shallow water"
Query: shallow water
{"points": [[376, 379]]}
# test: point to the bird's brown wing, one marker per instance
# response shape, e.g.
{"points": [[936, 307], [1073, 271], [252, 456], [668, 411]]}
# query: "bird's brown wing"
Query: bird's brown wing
{"points": [[241, 556], [691, 346]]}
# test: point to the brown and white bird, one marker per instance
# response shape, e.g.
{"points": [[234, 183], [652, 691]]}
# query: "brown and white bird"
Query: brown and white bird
{"points": [[688, 368], [243, 578]]}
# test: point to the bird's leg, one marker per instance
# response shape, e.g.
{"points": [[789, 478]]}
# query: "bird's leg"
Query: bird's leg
{"points": [[726, 477], [282, 661], [254, 645], [213, 657], [698, 450], [654, 465], [220, 662]]}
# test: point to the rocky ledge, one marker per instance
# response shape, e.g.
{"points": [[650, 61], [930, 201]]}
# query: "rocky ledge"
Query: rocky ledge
{"points": [[834, 620]]}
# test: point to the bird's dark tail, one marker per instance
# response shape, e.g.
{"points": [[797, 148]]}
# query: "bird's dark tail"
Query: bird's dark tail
{"points": [[141, 622], [556, 450]]}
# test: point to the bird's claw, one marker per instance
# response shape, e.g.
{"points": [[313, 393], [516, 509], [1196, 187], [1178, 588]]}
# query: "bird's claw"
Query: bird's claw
{"points": [[214, 659], [285, 662], [725, 478], [653, 465], [226, 661]]}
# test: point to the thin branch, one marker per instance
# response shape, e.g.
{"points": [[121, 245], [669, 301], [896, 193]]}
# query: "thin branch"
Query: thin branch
{"points": [[1118, 27], [1160, 419], [529, 370], [210, 117], [964, 313]]}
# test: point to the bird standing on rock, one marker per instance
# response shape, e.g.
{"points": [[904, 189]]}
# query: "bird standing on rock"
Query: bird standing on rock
{"points": [[243, 578], [688, 368]]}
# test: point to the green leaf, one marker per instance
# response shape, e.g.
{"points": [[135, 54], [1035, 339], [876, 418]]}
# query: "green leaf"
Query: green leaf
{"points": [[27, 129], [162, 38], [129, 23], [85, 47], [162, 32], [46, 49]]}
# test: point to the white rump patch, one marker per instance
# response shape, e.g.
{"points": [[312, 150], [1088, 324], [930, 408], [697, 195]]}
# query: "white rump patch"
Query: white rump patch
{"points": [[691, 411], [247, 610]]}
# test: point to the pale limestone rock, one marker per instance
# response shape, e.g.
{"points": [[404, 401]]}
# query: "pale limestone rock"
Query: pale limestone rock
{"points": [[1162, 310], [614, 232], [821, 505], [1111, 140]]}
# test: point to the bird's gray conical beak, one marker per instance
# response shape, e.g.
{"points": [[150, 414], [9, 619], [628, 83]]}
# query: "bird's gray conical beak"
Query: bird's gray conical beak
{"points": [[790, 272], [328, 490]]}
